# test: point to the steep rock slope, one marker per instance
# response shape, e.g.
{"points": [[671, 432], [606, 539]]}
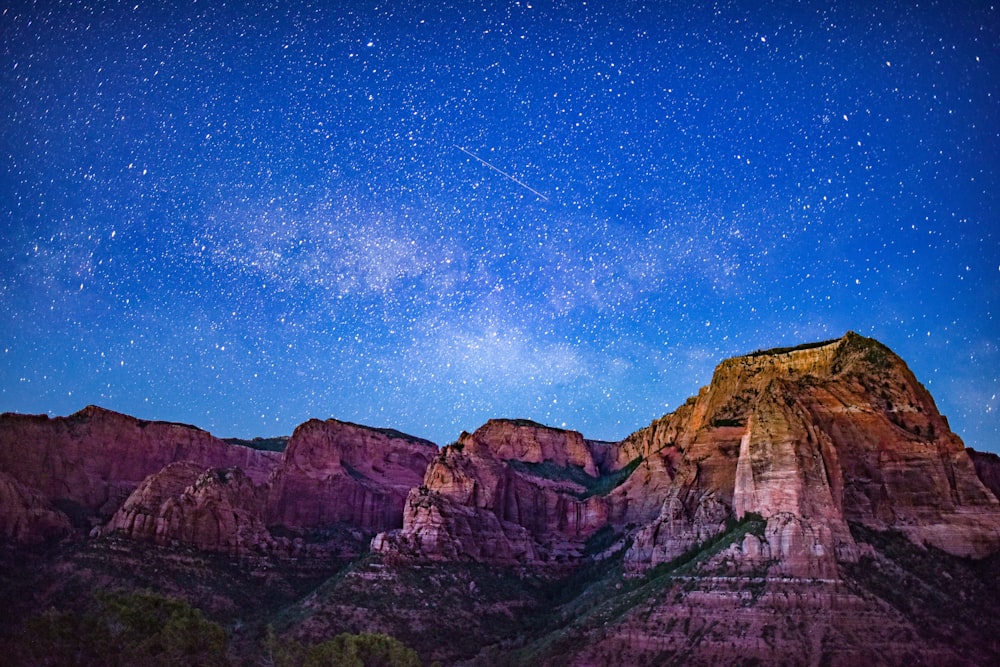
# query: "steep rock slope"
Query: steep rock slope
{"points": [[813, 438], [26, 516], [512, 492], [987, 466], [335, 472], [218, 510], [95, 458]]}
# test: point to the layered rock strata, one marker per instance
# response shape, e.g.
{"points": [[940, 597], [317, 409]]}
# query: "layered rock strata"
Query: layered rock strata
{"points": [[811, 439], [513, 492], [26, 516], [172, 483], [335, 472], [218, 510], [95, 458]]}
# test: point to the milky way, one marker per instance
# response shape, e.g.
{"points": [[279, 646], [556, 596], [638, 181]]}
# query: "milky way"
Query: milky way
{"points": [[425, 216]]}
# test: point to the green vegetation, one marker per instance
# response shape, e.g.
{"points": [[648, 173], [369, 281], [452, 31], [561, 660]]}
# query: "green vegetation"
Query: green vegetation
{"points": [[727, 422], [600, 595], [951, 599], [453, 447], [785, 350], [344, 650], [123, 628], [751, 523], [593, 486], [531, 423], [599, 541], [277, 444], [876, 355], [444, 612]]}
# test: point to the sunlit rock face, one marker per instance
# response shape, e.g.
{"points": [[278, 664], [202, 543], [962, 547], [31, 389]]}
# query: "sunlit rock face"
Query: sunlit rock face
{"points": [[513, 492], [811, 439], [335, 472], [95, 458]]}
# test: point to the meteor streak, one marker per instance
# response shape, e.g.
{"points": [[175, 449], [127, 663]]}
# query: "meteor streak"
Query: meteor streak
{"points": [[501, 172]]}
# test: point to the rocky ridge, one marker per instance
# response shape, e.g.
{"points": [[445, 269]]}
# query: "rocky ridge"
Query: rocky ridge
{"points": [[176, 484], [513, 492], [336, 472], [95, 458], [810, 438], [803, 498]]}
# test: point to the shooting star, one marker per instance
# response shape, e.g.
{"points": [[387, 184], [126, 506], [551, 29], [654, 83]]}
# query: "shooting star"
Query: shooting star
{"points": [[501, 172]]}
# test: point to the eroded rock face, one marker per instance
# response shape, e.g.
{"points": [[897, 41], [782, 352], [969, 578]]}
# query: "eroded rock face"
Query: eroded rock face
{"points": [[987, 465], [513, 492], [95, 458], [26, 516], [218, 510], [529, 442], [340, 473], [812, 439]]}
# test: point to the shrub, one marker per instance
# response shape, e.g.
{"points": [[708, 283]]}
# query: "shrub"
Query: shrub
{"points": [[344, 650], [125, 628]]}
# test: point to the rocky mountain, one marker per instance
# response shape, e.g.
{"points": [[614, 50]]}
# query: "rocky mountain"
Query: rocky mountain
{"points": [[810, 438], [172, 483], [513, 492], [89, 463], [218, 509], [336, 472], [813, 439], [809, 506]]}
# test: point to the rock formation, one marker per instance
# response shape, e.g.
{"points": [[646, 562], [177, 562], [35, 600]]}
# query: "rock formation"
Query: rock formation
{"points": [[813, 438], [95, 458], [809, 506], [336, 472], [26, 516], [218, 510], [810, 438], [154, 480], [513, 492], [987, 466]]}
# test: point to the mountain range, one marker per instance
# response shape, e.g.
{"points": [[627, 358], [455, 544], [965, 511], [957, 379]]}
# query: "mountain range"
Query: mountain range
{"points": [[810, 506]]}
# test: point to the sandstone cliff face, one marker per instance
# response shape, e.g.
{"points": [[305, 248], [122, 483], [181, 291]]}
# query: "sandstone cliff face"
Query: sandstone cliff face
{"points": [[218, 510], [26, 516], [512, 492], [812, 439], [95, 458], [987, 467], [335, 472]]}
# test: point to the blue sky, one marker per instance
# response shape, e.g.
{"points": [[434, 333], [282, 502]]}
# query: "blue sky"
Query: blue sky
{"points": [[425, 215]]}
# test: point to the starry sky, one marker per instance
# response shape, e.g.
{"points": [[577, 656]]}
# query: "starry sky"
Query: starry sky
{"points": [[425, 215]]}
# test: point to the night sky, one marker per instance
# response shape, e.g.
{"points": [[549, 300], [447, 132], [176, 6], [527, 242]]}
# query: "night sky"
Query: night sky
{"points": [[425, 215]]}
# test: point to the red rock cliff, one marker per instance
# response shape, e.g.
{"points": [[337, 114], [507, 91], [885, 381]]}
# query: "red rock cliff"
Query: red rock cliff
{"points": [[812, 438], [219, 509], [340, 473], [95, 458], [512, 492]]}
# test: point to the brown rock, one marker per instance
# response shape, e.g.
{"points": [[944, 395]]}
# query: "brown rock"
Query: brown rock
{"points": [[530, 442], [218, 509], [811, 438], [340, 473], [482, 501], [96, 458], [26, 516], [987, 465]]}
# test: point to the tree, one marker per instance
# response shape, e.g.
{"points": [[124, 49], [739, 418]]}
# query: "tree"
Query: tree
{"points": [[127, 629]]}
